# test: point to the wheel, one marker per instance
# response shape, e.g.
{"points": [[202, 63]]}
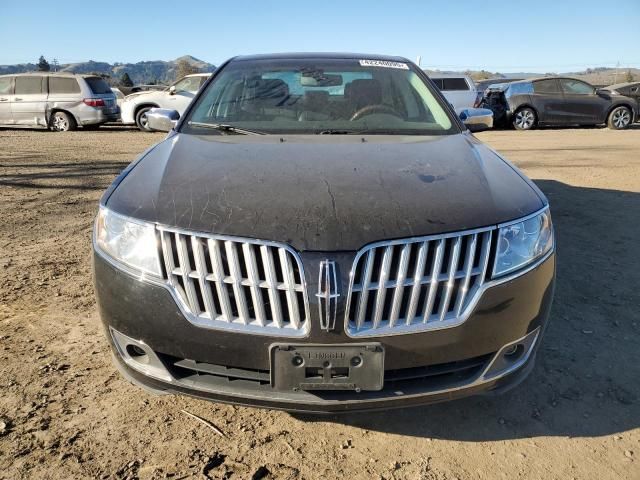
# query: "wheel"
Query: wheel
{"points": [[62, 122], [524, 119], [619, 118], [141, 119]]}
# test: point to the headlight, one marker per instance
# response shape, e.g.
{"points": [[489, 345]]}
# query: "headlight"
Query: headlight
{"points": [[129, 241], [522, 243]]}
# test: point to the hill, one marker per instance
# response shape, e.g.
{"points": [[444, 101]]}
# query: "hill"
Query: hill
{"points": [[154, 71]]}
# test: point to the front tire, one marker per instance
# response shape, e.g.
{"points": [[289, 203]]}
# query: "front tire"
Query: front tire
{"points": [[524, 119], [141, 119], [62, 122], [619, 118]]}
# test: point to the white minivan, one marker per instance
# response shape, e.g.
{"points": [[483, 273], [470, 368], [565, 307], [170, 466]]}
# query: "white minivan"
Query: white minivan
{"points": [[459, 90], [59, 101]]}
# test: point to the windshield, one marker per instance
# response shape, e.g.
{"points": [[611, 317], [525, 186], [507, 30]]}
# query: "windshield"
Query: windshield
{"points": [[329, 96]]}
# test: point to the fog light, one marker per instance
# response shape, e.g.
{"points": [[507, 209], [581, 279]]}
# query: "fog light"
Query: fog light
{"points": [[135, 351], [513, 352]]}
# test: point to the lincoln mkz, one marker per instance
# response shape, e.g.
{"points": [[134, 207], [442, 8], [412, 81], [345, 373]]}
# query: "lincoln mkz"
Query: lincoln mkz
{"points": [[322, 233]]}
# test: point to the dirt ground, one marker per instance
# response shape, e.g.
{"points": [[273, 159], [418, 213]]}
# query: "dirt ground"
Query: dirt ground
{"points": [[66, 413]]}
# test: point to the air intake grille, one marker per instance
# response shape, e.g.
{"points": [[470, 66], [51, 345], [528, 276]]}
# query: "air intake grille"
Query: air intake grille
{"points": [[417, 284], [237, 284]]}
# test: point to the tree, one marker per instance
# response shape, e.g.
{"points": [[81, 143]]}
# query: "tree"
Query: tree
{"points": [[125, 80], [629, 77], [184, 68], [43, 65]]}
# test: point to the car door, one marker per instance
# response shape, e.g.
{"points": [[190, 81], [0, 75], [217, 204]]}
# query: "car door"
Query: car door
{"points": [[583, 105], [29, 100], [548, 101], [183, 92], [6, 92]]}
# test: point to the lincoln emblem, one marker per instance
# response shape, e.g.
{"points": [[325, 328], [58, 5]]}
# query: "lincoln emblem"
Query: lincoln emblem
{"points": [[328, 295]]}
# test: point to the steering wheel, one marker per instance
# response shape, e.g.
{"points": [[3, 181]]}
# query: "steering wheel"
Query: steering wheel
{"points": [[371, 109]]}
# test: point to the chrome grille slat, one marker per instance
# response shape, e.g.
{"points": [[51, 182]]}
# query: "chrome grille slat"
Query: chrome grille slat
{"points": [[270, 272], [435, 280], [468, 266], [254, 282], [237, 284], [382, 290], [415, 289], [398, 290], [416, 284], [219, 276], [448, 288], [185, 270], [201, 268], [236, 276], [289, 281]]}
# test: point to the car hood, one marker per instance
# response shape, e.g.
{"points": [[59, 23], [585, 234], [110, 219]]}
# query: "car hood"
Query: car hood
{"points": [[323, 193], [142, 94]]}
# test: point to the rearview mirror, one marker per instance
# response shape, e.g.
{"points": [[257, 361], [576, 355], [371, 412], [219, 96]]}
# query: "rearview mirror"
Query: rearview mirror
{"points": [[162, 119], [477, 119], [172, 90]]}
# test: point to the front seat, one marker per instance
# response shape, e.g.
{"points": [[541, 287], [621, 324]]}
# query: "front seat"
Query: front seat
{"points": [[315, 106], [363, 92]]}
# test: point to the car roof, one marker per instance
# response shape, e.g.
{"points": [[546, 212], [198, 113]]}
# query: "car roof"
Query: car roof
{"points": [[550, 77], [319, 55], [51, 74], [447, 75]]}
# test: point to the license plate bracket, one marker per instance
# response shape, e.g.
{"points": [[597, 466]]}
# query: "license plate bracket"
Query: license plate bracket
{"points": [[357, 367]]}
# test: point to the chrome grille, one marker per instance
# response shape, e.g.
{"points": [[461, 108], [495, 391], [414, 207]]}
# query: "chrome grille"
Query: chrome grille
{"points": [[416, 284], [237, 283]]}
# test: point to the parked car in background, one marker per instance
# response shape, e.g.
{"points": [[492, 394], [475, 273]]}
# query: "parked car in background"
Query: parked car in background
{"points": [[287, 245], [558, 101], [59, 101], [459, 90], [176, 97], [630, 89]]}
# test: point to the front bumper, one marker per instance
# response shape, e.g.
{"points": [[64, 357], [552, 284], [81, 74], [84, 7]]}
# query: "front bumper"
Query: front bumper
{"points": [[127, 112], [201, 362]]}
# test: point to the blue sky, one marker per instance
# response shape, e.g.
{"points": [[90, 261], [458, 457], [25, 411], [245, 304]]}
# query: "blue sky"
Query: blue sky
{"points": [[509, 36]]}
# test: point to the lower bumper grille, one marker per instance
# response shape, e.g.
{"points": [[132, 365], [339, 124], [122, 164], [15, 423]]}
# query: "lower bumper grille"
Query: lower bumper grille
{"points": [[203, 375], [411, 285], [237, 284]]}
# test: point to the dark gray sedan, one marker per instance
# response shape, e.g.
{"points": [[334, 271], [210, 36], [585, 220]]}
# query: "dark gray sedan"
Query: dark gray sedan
{"points": [[558, 101], [320, 232]]}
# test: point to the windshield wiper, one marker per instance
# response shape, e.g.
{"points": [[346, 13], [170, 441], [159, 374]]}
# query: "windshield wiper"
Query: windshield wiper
{"points": [[340, 132], [223, 127]]}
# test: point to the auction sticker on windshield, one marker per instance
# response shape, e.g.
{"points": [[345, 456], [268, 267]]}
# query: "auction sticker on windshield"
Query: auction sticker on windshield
{"points": [[384, 64]]}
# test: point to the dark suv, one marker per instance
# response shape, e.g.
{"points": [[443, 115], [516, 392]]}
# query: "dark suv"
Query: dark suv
{"points": [[320, 232], [556, 101]]}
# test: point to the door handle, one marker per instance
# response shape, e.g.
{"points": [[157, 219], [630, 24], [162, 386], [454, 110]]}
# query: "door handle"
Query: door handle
{"points": [[17, 99], [4, 99]]}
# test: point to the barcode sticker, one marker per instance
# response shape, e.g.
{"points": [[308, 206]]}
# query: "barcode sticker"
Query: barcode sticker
{"points": [[384, 64]]}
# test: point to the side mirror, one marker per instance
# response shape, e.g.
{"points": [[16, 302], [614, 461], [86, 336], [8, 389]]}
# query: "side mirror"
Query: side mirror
{"points": [[172, 90], [477, 119], [162, 119]]}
